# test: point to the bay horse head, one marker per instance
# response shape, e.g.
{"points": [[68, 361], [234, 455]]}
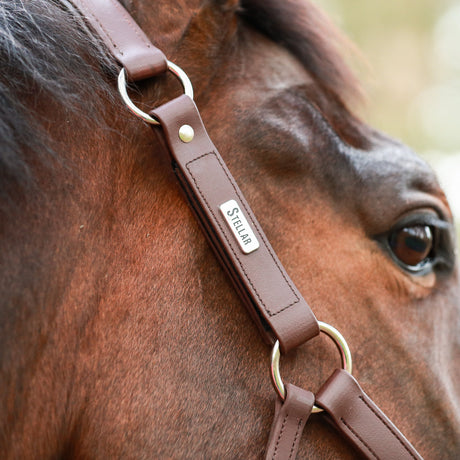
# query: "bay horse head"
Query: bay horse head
{"points": [[121, 337]]}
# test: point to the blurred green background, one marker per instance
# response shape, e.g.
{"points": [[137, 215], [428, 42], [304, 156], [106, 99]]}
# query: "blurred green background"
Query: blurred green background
{"points": [[412, 75]]}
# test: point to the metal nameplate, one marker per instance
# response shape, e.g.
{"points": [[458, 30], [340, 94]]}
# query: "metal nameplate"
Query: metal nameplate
{"points": [[239, 226]]}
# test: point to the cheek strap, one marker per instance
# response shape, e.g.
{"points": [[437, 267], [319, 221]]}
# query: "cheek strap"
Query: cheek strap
{"points": [[233, 231]]}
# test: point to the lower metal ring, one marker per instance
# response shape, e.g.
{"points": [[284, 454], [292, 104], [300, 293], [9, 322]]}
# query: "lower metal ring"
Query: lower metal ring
{"points": [[339, 340]]}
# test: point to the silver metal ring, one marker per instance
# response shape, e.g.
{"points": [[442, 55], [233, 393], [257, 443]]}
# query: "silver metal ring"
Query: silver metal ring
{"points": [[122, 88], [339, 340]]}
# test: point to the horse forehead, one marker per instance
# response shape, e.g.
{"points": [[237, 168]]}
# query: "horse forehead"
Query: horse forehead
{"points": [[379, 183]]}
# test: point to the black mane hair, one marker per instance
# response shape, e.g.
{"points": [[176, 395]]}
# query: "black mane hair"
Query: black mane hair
{"points": [[43, 56]]}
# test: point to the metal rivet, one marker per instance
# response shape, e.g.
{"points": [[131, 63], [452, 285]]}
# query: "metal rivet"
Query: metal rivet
{"points": [[186, 133]]}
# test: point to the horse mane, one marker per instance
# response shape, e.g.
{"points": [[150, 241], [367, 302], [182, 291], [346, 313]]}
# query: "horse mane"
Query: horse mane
{"points": [[302, 28], [45, 60]]}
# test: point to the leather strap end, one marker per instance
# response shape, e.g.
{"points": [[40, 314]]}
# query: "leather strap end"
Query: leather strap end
{"points": [[142, 64]]}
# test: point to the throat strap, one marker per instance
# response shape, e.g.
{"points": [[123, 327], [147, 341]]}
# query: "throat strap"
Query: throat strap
{"points": [[234, 233]]}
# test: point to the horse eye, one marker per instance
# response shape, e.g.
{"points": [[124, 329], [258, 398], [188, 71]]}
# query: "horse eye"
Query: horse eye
{"points": [[412, 245]]}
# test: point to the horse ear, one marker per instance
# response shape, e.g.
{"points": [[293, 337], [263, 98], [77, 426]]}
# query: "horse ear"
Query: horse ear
{"points": [[309, 34]]}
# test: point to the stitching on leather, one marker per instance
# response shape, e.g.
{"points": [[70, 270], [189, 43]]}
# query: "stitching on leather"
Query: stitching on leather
{"points": [[126, 17], [295, 439], [279, 436], [130, 24], [86, 8], [390, 428], [254, 223], [229, 243], [359, 438]]}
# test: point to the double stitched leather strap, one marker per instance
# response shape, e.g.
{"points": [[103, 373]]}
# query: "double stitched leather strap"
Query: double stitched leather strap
{"points": [[271, 297], [290, 418], [124, 38], [361, 421]]}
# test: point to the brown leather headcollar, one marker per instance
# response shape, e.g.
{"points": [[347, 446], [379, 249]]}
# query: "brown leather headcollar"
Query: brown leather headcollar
{"points": [[234, 233]]}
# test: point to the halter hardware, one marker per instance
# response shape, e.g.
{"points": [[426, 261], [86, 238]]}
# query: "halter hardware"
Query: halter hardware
{"points": [[122, 88], [339, 340], [275, 297]]}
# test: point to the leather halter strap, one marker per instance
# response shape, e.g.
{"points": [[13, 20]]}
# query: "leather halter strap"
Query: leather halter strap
{"points": [[288, 424], [361, 421], [354, 414], [124, 38], [269, 294], [273, 300]]}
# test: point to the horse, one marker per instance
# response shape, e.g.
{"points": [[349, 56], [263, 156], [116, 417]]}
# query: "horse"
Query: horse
{"points": [[121, 335]]}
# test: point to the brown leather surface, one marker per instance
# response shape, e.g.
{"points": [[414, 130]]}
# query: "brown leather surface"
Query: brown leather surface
{"points": [[123, 37], [288, 424], [361, 421], [270, 295]]}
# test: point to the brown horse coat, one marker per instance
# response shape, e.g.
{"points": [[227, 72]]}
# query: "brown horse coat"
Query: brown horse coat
{"points": [[120, 335]]}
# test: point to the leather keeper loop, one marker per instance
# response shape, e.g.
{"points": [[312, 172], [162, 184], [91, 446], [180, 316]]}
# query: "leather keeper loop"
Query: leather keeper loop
{"points": [[271, 297]]}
